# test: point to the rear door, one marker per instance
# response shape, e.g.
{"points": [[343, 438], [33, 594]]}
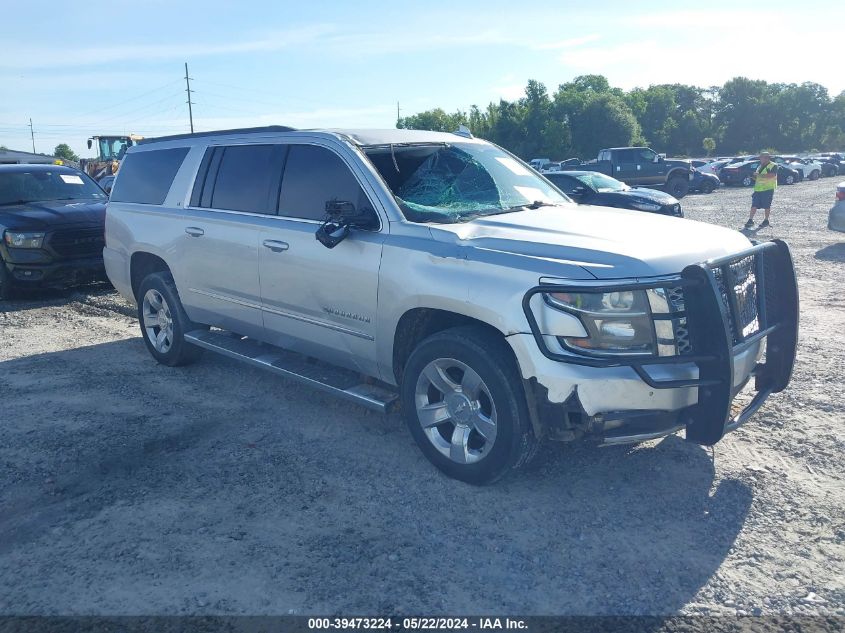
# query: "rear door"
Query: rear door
{"points": [[234, 193], [625, 166], [318, 301]]}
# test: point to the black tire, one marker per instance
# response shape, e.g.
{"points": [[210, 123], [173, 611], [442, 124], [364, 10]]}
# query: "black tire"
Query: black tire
{"points": [[678, 186], [179, 352], [5, 282], [747, 181], [707, 187], [489, 356], [814, 175], [789, 179]]}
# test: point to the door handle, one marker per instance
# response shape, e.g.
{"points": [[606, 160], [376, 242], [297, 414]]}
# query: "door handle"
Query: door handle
{"points": [[276, 246], [194, 231]]}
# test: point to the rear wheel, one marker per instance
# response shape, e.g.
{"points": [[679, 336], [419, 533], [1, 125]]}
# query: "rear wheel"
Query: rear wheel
{"points": [[789, 179], [747, 181], [164, 322], [678, 186], [464, 405], [814, 175]]}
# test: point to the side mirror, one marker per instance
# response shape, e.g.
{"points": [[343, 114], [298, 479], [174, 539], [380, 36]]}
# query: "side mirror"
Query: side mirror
{"points": [[90, 142], [331, 233]]}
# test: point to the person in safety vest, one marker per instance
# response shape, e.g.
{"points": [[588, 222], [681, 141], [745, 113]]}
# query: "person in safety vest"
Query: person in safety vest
{"points": [[765, 183]]}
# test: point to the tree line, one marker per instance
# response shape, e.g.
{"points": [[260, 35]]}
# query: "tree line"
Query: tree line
{"points": [[587, 114]]}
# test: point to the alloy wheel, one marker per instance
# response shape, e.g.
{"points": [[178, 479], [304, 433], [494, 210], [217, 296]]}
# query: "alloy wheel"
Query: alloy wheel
{"points": [[157, 321], [456, 410]]}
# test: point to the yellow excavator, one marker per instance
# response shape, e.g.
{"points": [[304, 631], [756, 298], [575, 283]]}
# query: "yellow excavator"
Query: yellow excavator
{"points": [[110, 151]]}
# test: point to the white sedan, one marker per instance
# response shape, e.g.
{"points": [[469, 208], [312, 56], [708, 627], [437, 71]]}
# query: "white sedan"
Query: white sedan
{"points": [[808, 168]]}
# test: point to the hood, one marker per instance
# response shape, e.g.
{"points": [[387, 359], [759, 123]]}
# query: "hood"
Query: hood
{"points": [[644, 193], [40, 216], [676, 163], [607, 243]]}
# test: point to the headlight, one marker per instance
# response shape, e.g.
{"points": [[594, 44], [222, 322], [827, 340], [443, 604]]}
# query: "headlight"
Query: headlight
{"points": [[616, 322], [23, 240], [642, 205]]}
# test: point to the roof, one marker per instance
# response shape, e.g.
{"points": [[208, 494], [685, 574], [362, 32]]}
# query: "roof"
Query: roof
{"points": [[27, 167], [24, 157], [359, 137]]}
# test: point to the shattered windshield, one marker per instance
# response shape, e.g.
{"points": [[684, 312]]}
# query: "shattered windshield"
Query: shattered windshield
{"points": [[456, 182]]}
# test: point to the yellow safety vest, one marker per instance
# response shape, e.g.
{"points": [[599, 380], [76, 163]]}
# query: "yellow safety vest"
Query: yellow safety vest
{"points": [[766, 185]]}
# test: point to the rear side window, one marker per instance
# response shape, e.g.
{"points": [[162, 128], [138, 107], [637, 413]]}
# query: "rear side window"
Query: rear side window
{"points": [[245, 177], [145, 177], [314, 176]]}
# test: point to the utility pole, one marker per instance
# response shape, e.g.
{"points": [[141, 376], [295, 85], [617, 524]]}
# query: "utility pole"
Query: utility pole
{"points": [[32, 134], [189, 91], [397, 113]]}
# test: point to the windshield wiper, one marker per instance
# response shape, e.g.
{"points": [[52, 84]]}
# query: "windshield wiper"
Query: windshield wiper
{"points": [[519, 207]]}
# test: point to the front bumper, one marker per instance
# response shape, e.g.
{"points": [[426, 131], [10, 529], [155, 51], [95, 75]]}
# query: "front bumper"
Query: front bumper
{"points": [[60, 274], [696, 391]]}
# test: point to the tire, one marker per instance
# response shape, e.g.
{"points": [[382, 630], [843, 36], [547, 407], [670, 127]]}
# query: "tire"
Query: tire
{"points": [[160, 311], [708, 187], [677, 186], [477, 426], [747, 181], [789, 179], [814, 175], [5, 282]]}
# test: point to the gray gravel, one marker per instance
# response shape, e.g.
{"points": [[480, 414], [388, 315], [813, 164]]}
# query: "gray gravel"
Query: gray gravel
{"points": [[131, 488]]}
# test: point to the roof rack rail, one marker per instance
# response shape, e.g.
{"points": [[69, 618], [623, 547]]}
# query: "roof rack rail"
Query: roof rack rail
{"points": [[243, 130]]}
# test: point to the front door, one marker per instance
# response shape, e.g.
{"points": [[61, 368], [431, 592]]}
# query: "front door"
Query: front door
{"points": [[318, 301]]}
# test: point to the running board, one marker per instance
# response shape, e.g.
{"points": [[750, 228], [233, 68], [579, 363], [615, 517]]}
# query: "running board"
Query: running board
{"points": [[339, 382]]}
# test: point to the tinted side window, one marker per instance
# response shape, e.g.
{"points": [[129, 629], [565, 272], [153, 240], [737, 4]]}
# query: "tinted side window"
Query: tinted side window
{"points": [[314, 176], [245, 178], [145, 177], [626, 156]]}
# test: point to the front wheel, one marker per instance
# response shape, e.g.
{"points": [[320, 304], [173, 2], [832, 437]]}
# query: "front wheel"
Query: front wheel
{"points": [[747, 181], [164, 322], [814, 175], [707, 187], [463, 402], [678, 186], [790, 179]]}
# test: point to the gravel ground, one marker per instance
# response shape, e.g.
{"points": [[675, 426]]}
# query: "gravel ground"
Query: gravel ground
{"points": [[132, 488]]}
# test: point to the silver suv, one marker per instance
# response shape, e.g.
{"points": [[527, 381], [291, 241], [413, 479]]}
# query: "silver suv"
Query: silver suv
{"points": [[439, 272]]}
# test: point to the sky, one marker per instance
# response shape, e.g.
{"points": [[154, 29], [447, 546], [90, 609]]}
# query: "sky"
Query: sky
{"points": [[79, 69]]}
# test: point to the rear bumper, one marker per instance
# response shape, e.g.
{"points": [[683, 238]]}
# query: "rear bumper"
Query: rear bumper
{"points": [[630, 400], [59, 274]]}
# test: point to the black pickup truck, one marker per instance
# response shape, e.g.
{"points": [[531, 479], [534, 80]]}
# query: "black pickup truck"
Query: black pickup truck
{"points": [[639, 166]]}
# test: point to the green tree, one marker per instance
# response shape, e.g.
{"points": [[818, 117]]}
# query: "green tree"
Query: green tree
{"points": [[709, 144], [605, 121], [437, 120], [64, 151]]}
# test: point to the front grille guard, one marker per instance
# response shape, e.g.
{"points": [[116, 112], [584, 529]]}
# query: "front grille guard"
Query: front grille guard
{"points": [[715, 330]]}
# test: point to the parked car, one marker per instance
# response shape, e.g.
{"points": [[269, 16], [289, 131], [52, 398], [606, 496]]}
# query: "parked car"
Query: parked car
{"points": [[832, 164], [106, 183], [638, 166], [836, 217], [592, 187], [540, 163], [743, 174], [713, 167], [51, 224], [807, 169], [457, 279], [703, 182]]}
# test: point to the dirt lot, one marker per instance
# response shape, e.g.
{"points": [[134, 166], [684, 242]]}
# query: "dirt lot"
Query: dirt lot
{"points": [[129, 488]]}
